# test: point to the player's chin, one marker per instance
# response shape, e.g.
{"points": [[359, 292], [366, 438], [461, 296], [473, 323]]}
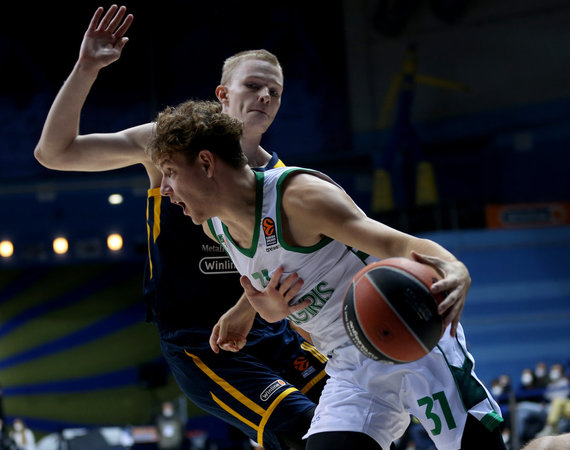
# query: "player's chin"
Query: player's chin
{"points": [[197, 219], [260, 125]]}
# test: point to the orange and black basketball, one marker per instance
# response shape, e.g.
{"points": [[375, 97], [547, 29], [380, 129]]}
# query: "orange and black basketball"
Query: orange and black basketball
{"points": [[390, 313]]}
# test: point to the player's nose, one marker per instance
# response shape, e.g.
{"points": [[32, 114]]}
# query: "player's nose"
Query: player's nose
{"points": [[264, 95], [165, 188]]}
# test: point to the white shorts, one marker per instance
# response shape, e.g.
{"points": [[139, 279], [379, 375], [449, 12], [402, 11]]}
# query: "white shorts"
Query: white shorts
{"points": [[377, 399]]}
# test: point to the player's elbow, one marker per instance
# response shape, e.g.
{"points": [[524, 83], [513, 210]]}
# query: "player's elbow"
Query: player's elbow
{"points": [[49, 159], [39, 154]]}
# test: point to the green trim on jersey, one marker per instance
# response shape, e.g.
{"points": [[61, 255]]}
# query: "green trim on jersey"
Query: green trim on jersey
{"points": [[360, 254], [324, 241], [213, 231], [470, 390], [491, 420], [249, 252]]}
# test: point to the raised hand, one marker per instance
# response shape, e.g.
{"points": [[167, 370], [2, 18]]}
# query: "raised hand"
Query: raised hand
{"points": [[105, 37], [455, 282], [273, 303]]}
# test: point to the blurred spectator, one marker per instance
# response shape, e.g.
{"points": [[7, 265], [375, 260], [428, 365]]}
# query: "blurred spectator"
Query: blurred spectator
{"points": [[540, 375], [527, 379], [505, 382], [557, 392], [501, 389], [531, 408], [23, 436], [558, 385], [528, 390], [170, 429], [496, 388], [559, 412], [542, 402], [535, 405]]}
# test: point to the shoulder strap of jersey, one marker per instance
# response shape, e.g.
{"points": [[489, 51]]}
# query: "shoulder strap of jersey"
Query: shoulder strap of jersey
{"points": [[213, 231]]}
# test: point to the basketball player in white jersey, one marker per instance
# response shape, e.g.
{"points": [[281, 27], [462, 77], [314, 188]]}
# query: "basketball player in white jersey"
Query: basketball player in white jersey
{"points": [[289, 222]]}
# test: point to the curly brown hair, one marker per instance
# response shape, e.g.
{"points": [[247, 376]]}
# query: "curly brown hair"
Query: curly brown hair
{"points": [[193, 126]]}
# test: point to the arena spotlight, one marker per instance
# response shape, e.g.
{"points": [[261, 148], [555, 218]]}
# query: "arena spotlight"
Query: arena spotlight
{"points": [[115, 199], [60, 245], [115, 242], [6, 249]]}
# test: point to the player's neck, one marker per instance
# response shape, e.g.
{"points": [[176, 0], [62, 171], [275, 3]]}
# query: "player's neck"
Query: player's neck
{"points": [[256, 155], [237, 207]]}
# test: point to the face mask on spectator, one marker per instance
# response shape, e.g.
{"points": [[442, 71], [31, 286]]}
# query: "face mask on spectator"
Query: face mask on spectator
{"points": [[496, 391], [526, 379]]}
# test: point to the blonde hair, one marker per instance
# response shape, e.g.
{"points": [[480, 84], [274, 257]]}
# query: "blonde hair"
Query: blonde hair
{"points": [[231, 63]]}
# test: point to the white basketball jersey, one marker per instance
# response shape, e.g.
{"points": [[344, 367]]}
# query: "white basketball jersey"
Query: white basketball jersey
{"points": [[361, 395], [326, 267]]}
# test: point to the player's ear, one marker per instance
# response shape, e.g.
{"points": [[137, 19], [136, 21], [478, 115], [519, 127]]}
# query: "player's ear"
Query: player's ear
{"points": [[207, 162], [222, 94]]}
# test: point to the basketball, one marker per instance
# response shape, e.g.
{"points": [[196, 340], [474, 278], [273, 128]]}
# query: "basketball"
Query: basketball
{"points": [[390, 313]]}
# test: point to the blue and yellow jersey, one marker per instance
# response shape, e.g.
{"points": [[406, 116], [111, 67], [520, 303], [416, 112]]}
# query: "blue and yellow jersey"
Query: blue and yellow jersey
{"points": [[189, 279]]}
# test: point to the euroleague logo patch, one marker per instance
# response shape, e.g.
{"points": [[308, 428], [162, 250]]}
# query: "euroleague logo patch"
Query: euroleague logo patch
{"points": [[269, 232], [301, 363]]}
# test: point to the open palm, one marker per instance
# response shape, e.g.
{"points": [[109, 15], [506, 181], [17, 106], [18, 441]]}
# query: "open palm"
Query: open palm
{"points": [[105, 37]]}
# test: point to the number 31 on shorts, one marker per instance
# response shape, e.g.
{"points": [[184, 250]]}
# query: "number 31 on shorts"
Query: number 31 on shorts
{"points": [[428, 402]]}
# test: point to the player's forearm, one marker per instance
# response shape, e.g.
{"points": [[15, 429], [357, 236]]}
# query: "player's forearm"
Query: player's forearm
{"points": [[428, 247], [61, 127], [383, 241], [245, 307]]}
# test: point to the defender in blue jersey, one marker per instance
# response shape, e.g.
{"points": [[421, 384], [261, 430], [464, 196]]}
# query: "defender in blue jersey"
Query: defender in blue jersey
{"points": [[269, 388]]}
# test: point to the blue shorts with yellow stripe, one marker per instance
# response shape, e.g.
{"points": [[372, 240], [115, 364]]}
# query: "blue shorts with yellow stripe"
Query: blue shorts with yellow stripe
{"points": [[261, 390]]}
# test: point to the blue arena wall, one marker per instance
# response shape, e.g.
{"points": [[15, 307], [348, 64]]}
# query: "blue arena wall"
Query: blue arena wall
{"points": [[518, 308]]}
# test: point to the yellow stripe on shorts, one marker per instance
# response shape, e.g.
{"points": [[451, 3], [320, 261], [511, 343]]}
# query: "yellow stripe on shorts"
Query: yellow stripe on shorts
{"points": [[265, 414]]}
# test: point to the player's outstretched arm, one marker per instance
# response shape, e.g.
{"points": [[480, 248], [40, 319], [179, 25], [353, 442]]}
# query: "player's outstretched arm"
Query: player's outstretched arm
{"points": [[316, 208], [60, 146]]}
